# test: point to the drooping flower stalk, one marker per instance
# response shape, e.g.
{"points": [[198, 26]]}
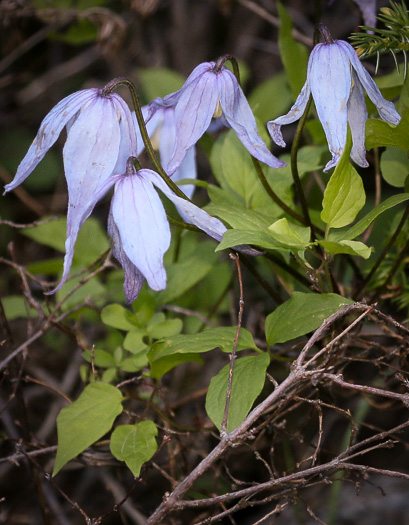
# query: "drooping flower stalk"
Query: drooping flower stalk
{"points": [[144, 133]]}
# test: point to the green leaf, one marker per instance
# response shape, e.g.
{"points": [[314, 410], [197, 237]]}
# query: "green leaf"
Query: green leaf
{"points": [[134, 363], [222, 337], [50, 234], [301, 314], [91, 243], [233, 167], [264, 106], [239, 217], [159, 82], [134, 444], [187, 272], [167, 328], [46, 267], [394, 166], [221, 196], [163, 365], [248, 380], [86, 420], [144, 306], [119, 317], [258, 238], [379, 133], [344, 195], [348, 247], [134, 340], [293, 54], [92, 288], [309, 158], [290, 234], [15, 142], [92, 240], [238, 171], [109, 375], [101, 358], [366, 221]]}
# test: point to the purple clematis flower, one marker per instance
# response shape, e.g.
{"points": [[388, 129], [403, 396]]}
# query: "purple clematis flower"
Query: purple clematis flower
{"points": [[161, 127], [139, 228], [211, 91], [336, 79], [100, 138]]}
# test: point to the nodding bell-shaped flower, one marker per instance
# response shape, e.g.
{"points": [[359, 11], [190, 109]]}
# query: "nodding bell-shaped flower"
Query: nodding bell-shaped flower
{"points": [[100, 138], [210, 91], [139, 228], [337, 79], [161, 127]]}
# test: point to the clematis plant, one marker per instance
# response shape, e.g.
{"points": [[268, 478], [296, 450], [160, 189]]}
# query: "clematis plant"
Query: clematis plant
{"points": [[210, 91], [100, 138], [337, 79], [161, 127], [139, 228]]}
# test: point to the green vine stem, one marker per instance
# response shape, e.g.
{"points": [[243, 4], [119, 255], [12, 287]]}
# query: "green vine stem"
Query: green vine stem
{"points": [[121, 81], [182, 224], [274, 196], [382, 257], [294, 169], [228, 58]]}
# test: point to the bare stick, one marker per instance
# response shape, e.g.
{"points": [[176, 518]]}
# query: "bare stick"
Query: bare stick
{"points": [[340, 336], [48, 478], [16, 457], [298, 375], [4, 222], [273, 20], [49, 322], [233, 354], [337, 378]]}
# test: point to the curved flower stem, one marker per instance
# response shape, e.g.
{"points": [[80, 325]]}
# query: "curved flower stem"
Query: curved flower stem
{"points": [[182, 224], [144, 133], [322, 31], [228, 58], [382, 257], [294, 169]]}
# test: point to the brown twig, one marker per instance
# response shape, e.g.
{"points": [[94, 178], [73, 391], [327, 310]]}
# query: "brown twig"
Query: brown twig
{"points": [[4, 222], [339, 380], [47, 324], [273, 20], [233, 354], [297, 377], [48, 478]]}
